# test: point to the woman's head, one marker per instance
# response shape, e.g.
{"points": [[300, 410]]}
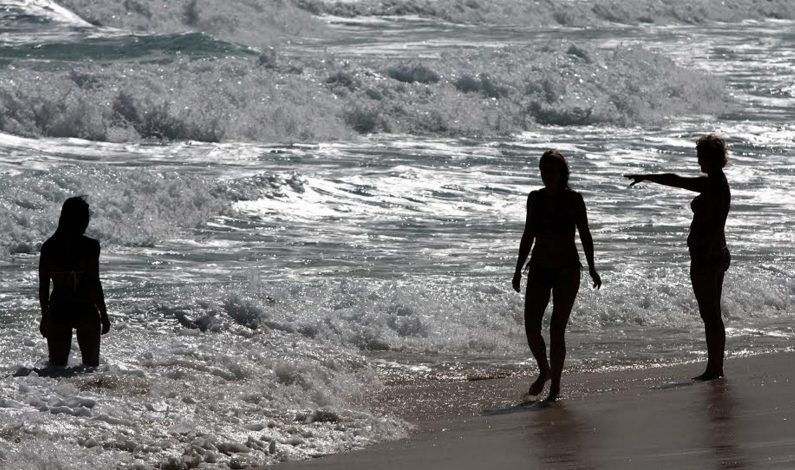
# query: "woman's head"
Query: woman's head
{"points": [[554, 170], [74, 217], [712, 153]]}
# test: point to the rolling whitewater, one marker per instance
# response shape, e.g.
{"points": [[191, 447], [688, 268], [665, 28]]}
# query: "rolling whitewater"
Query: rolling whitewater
{"points": [[300, 202]]}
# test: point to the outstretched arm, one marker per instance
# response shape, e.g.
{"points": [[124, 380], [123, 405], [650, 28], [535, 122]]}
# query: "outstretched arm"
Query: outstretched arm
{"points": [[524, 248], [581, 220], [697, 184]]}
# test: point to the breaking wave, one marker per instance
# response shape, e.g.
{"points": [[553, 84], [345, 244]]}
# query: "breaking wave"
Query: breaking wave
{"points": [[131, 207], [286, 99], [249, 22], [564, 13]]}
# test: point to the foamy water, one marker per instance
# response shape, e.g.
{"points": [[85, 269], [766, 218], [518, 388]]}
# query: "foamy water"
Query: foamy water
{"points": [[290, 219]]}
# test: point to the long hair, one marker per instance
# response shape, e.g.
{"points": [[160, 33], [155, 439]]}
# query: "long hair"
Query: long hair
{"points": [[553, 157], [74, 217]]}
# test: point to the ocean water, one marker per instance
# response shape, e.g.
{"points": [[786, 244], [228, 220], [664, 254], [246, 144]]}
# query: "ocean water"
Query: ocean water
{"points": [[299, 203]]}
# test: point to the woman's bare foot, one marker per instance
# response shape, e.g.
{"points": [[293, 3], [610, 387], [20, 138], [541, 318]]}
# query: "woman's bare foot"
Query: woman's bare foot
{"points": [[538, 386], [708, 375], [554, 391]]}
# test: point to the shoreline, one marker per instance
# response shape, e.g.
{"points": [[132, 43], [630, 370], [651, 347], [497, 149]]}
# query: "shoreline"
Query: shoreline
{"points": [[653, 418]]}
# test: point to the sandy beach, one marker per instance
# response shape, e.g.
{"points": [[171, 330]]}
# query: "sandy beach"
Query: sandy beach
{"points": [[655, 418], [305, 217]]}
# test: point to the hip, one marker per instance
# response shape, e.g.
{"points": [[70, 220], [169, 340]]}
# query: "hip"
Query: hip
{"points": [[714, 260], [73, 314], [545, 276]]}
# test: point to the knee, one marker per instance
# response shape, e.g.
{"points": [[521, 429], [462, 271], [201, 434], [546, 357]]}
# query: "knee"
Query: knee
{"points": [[557, 331], [533, 333], [713, 323], [711, 314]]}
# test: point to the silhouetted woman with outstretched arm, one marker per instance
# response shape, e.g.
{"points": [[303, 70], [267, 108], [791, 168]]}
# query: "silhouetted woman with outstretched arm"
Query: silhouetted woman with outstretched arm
{"points": [[553, 213], [71, 260], [709, 256]]}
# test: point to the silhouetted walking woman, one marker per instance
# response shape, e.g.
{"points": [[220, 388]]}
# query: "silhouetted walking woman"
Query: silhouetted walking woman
{"points": [[709, 256], [77, 302], [553, 212]]}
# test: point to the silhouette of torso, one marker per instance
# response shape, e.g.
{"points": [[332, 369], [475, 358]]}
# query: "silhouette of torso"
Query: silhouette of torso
{"points": [[73, 264], [552, 222], [710, 209]]}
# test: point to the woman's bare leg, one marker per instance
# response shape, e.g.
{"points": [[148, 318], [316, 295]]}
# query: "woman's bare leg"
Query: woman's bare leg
{"points": [[59, 343], [563, 296], [536, 301], [708, 286], [88, 338]]}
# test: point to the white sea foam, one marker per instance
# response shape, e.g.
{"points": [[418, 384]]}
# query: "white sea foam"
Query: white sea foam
{"points": [[276, 94], [565, 13], [130, 207], [212, 397], [237, 99], [45, 10], [246, 22], [260, 292]]}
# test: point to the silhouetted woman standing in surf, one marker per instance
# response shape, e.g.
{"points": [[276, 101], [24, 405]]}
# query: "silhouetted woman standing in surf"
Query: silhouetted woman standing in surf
{"points": [[553, 213], [709, 256], [71, 260]]}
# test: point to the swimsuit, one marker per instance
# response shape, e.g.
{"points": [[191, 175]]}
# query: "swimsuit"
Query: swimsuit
{"points": [[82, 317], [551, 219], [71, 305]]}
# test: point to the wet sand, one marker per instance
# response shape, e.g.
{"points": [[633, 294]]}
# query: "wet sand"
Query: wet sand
{"points": [[655, 418]]}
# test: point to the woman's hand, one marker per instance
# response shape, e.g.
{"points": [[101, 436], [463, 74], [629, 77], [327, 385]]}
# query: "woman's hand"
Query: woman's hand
{"points": [[636, 179], [517, 281], [105, 324], [597, 281]]}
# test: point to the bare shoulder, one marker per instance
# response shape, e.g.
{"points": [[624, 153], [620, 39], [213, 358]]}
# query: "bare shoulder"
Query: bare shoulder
{"points": [[46, 246], [575, 198], [90, 244], [533, 196], [718, 182]]}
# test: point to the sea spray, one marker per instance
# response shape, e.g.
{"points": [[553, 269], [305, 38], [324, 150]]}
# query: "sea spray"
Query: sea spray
{"points": [[261, 294], [515, 90], [238, 389], [563, 13], [130, 207], [249, 22]]}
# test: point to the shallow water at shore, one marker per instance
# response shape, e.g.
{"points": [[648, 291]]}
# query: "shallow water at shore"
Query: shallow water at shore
{"points": [[258, 287]]}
